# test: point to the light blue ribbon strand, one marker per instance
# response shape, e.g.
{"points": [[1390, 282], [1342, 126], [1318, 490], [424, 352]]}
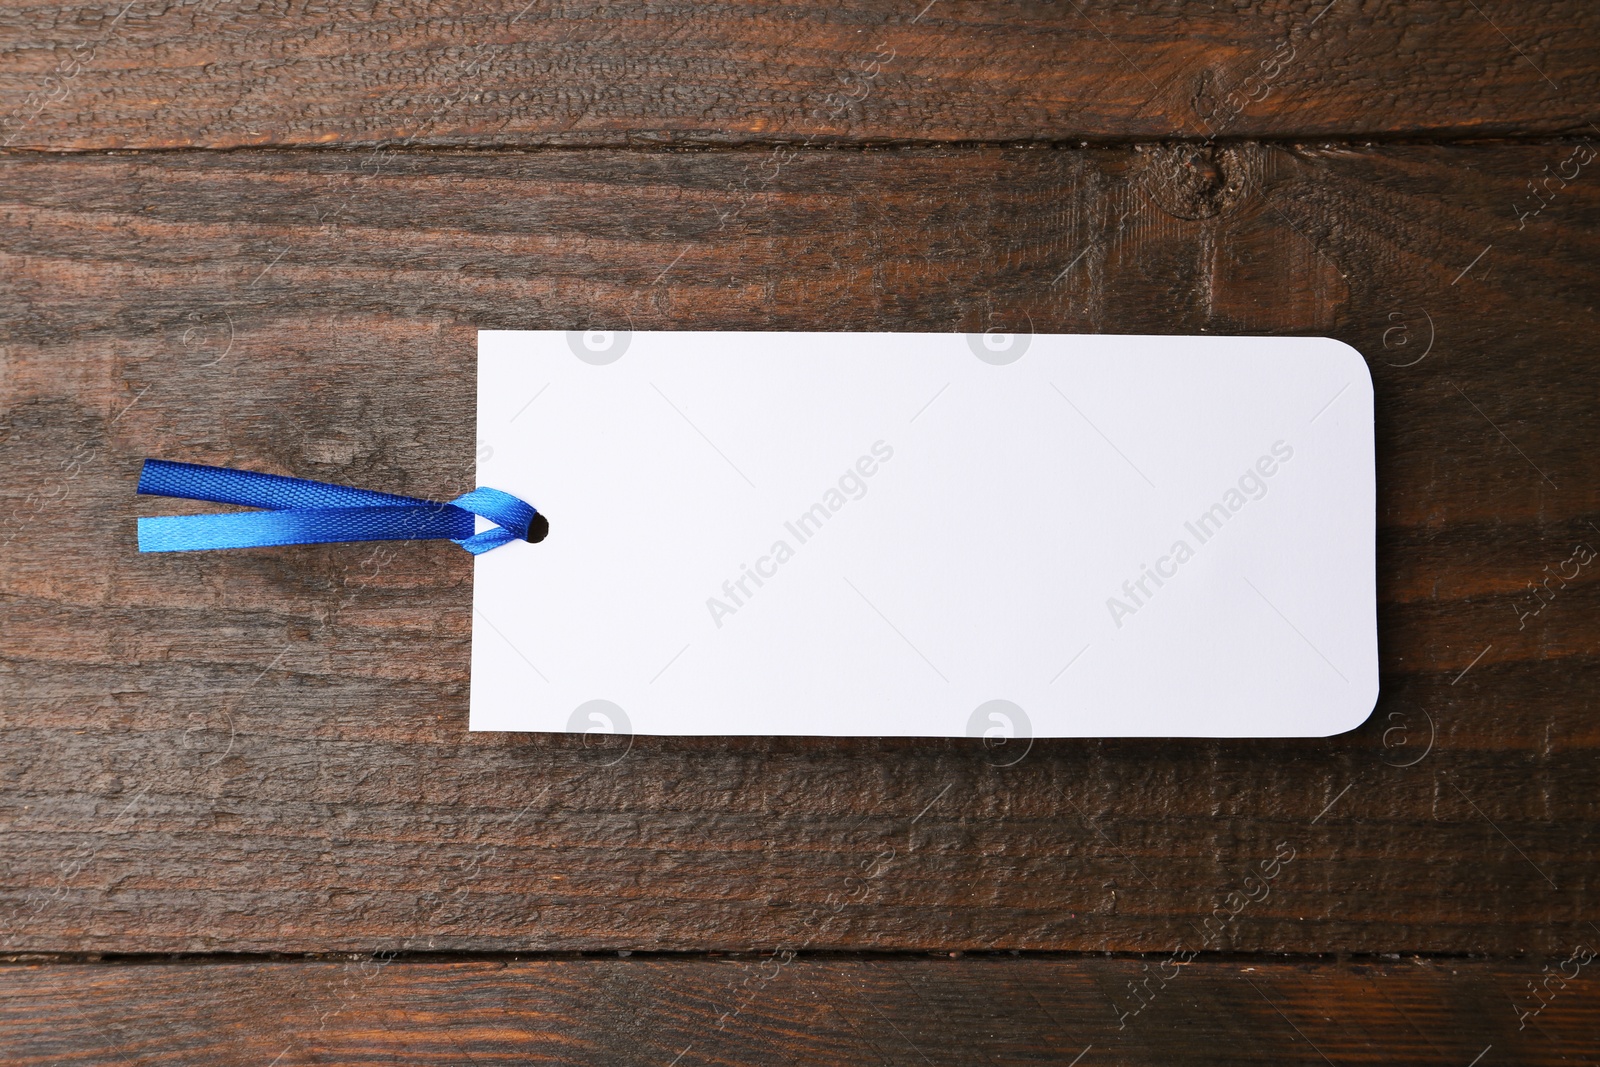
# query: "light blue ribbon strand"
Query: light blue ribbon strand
{"points": [[303, 512]]}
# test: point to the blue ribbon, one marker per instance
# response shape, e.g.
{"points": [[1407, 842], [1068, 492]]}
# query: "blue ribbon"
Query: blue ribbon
{"points": [[303, 512]]}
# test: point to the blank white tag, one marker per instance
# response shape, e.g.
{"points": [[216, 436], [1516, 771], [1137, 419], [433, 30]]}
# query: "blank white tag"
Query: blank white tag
{"points": [[927, 534]]}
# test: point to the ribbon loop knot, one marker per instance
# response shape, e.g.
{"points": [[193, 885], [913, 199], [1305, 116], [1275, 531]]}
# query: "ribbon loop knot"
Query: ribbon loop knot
{"points": [[301, 512]]}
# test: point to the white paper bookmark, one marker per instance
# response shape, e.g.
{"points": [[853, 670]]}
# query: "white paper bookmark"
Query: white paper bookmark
{"points": [[928, 534]]}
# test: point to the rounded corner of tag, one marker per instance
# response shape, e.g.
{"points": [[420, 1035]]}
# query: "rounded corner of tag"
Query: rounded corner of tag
{"points": [[1351, 359], [1360, 712]]}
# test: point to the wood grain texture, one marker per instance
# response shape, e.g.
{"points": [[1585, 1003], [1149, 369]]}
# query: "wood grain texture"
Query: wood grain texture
{"points": [[806, 1010], [212, 73], [267, 750]]}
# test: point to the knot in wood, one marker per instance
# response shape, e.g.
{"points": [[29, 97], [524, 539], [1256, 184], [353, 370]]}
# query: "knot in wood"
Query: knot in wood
{"points": [[1191, 181]]}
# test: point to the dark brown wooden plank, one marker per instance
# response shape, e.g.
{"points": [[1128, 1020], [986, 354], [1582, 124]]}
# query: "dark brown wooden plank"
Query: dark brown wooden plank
{"points": [[267, 750], [217, 74], [804, 1010]]}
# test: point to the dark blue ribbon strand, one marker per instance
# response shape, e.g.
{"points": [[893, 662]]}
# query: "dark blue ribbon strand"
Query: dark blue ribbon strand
{"points": [[303, 512]]}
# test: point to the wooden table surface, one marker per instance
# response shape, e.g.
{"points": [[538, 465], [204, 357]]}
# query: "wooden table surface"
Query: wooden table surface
{"points": [[242, 818]]}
